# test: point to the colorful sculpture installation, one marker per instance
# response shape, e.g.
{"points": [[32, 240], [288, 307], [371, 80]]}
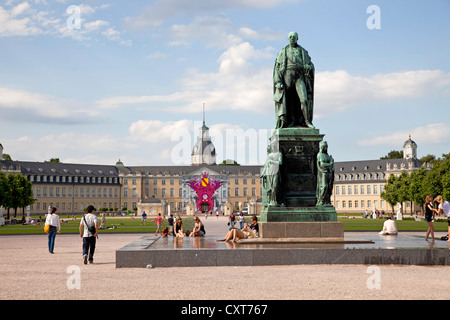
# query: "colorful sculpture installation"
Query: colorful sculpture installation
{"points": [[205, 187]]}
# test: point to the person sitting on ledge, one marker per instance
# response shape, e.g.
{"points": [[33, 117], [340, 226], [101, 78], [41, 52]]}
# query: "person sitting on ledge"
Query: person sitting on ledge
{"points": [[235, 234], [389, 227], [199, 228]]}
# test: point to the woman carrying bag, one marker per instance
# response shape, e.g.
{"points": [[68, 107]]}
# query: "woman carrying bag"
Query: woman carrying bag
{"points": [[54, 224]]}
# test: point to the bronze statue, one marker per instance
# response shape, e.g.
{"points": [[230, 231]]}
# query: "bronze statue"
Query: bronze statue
{"points": [[271, 176], [293, 86], [325, 175]]}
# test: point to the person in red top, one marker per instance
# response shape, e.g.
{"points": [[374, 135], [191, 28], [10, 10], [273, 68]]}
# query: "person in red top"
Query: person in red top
{"points": [[158, 221]]}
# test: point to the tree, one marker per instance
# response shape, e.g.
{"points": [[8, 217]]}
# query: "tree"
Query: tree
{"points": [[3, 190], [6, 157], [403, 186], [17, 193], [229, 162], [417, 186], [394, 154], [391, 192], [53, 160], [428, 158]]}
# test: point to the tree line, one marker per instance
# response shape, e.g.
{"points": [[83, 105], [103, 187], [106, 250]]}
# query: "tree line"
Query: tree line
{"points": [[15, 192], [433, 179]]}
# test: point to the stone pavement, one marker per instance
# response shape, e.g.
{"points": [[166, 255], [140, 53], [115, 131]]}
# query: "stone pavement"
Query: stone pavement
{"points": [[29, 272]]}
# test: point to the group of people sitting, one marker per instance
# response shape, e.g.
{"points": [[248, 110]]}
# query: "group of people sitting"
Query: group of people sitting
{"points": [[198, 231], [249, 231], [234, 234]]}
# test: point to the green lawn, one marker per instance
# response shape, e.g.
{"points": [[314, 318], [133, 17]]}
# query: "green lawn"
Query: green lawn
{"points": [[133, 224], [359, 224], [127, 224]]}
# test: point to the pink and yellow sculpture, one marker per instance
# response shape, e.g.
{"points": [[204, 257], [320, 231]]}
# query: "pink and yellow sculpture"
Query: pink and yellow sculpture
{"points": [[205, 187]]}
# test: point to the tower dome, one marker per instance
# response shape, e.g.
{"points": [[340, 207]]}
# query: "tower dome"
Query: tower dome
{"points": [[119, 163], [203, 151], [410, 149]]}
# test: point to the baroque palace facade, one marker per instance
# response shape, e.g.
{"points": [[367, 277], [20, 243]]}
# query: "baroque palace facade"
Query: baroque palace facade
{"points": [[165, 189]]}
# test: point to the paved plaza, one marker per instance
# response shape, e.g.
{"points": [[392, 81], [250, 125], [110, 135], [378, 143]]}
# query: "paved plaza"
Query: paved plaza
{"points": [[30, 272]]}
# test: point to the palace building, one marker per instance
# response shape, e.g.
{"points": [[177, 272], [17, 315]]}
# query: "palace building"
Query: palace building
{"points": [[358, 184], [167, 189]]}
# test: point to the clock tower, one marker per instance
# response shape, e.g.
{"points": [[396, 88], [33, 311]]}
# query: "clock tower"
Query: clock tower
{"points": [[409, 149]]}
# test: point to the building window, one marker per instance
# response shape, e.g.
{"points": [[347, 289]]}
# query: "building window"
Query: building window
{"points": [[356, 204], [349, 189], [369, 190], [362, 203], [343, 204], [362, 190], [375, 191], [355, 190], [337, 190], [236, 192], [343, 189]]}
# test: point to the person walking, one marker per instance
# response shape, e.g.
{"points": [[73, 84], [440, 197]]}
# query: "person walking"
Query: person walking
{"points": [[52, 219], [88, 231], [429, 216], [241, 220], [158, 221]]}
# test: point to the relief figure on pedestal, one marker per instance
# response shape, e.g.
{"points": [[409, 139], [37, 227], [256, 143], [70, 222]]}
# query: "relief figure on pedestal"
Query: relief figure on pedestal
{"points": [[325, 175], [271, 176]]}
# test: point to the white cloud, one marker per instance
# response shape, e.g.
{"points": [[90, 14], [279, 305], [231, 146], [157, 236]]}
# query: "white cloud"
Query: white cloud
{"points": [[25, 20], [69, 147], [338, 90], [20, 106], [12, 25], [237, 85], [434, 133]]}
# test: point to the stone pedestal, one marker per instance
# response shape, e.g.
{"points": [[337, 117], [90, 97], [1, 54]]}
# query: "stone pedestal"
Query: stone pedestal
{"points": [[295, 230], [298, 216]]}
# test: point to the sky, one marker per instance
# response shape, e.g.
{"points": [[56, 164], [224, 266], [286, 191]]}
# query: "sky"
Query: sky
{"points": [[97, 81]]}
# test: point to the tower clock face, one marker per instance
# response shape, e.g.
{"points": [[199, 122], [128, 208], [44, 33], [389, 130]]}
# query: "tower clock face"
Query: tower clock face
{"points": [[408, 152]]}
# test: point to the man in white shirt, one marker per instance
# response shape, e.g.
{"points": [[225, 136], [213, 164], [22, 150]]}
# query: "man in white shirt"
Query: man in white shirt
{"points": [[89, 237], [389, 227]]}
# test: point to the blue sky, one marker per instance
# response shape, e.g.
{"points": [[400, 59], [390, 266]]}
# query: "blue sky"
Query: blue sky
{"points": [[131, 81]]}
